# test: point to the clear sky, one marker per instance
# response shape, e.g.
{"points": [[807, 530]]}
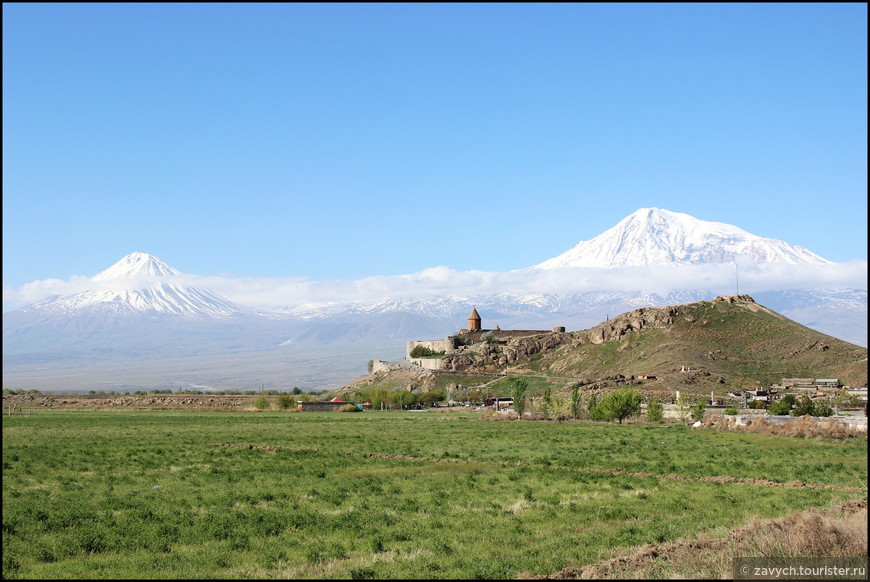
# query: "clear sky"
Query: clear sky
{"points": [[342, 141]]}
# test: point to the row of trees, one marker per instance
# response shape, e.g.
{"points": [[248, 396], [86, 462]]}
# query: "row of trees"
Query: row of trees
{"points": [[397, 398], [617, 405], [788, 404]]}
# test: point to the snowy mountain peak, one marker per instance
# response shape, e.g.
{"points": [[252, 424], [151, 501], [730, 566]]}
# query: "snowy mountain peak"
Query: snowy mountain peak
{"points": [[139, 284], [653, 236], [137, 265]]}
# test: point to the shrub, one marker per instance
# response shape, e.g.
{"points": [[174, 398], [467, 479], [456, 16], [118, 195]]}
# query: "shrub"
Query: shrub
{"points": [[731, 410], [348, 408], [285, 401], [261, 403], [424, 352]]}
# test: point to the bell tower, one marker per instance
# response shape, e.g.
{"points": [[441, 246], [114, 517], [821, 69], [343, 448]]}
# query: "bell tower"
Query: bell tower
{"points": [[474, 320]]}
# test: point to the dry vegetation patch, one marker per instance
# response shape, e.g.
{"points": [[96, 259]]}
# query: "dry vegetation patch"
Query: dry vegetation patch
{"points": [[840, 532], [805, 427]]}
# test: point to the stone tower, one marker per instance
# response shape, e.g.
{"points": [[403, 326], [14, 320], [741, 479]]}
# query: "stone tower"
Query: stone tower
{"points": [[474, 320]]}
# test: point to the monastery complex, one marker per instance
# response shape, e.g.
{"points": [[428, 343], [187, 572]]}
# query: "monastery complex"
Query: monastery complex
{"points": [[473, 334]]}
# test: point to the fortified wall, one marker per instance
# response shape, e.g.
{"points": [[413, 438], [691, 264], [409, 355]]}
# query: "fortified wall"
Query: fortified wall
{"points": [[446, 345]]}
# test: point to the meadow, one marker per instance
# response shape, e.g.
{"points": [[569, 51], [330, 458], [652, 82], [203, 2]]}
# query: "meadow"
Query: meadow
{"points": [[438, 495]]}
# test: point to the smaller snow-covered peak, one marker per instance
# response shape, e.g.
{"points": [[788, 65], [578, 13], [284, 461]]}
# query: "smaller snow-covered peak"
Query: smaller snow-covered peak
{"points": [[137, 265], [140, 284]]}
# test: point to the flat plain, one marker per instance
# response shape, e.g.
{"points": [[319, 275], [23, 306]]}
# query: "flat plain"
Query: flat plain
{"points": [[439, 495]]}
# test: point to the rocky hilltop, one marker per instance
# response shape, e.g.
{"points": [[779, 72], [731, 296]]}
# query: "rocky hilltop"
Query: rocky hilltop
{"points": [[730, 343]]}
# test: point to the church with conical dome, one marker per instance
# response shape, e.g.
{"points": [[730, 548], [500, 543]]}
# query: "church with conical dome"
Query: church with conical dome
{"points": [[474, 320]]}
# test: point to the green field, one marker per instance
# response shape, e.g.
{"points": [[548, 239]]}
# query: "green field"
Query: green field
{"points": [[91, 494]]}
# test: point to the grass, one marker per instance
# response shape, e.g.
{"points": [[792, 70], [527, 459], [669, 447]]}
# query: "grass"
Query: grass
{"points": [[89, 494]]}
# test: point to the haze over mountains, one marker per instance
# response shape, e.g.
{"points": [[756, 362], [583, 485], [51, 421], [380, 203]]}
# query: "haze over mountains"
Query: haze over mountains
{"points": [[142, 324]]}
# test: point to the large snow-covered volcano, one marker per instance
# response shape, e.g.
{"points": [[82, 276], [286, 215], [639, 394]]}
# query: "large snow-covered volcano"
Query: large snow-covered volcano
{"points": [[142, 324], [652, 236]]}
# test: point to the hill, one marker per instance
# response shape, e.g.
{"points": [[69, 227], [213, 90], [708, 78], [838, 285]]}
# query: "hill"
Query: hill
{"points": [[141, 324], [730, 343]]}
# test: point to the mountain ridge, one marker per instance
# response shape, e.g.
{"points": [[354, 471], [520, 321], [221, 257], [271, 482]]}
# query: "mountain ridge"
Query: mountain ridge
{"points": [[142, 308]]}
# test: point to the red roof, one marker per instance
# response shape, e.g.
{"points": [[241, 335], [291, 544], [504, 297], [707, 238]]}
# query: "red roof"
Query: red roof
{"points": [[336, 399]]}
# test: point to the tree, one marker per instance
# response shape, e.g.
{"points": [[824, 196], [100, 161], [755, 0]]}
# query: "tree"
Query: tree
{"points": [[621, 404], [789, 399], [575, 401], [655, 411], [683, 409], [698, 410], [803, 406], [595, 411], [822, 408], [783, 407], [402, 399], [431, 397], [519, 392], [547, 401], [846, 400]]}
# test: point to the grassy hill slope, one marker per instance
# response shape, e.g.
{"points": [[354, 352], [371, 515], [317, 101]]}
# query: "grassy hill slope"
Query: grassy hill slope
{"points": [[730, 343]]}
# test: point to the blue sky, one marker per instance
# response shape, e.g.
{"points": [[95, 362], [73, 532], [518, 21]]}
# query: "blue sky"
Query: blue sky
{"points": [[337, 142]]}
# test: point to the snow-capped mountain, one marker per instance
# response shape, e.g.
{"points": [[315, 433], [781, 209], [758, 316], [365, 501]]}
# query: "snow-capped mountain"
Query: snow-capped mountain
{"points": [[140, 284], [652, 236], [140, 324], [137, 265]]}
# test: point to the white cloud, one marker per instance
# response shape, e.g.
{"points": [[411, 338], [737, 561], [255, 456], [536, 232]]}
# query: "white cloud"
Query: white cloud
{"points": [[294, 292]]}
